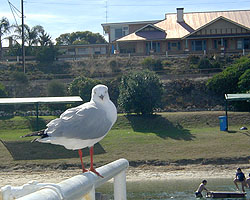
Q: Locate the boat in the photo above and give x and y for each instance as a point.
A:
(225, 194)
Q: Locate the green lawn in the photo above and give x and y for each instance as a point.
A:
(166, 137)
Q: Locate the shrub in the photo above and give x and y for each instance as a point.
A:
(227, 80)
(46, 54)
(3, 92)
(244, 81)
(20, 77)
(152, 64)
(82, 86)
(56, 89)
(166, 63)
(140, 92)
(204, 63)
(114, 66)
(193, 59)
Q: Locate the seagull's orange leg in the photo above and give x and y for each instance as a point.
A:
(91, 151)
(80, 155)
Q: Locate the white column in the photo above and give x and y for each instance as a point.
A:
(120, 186)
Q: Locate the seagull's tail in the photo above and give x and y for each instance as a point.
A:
(41, 134)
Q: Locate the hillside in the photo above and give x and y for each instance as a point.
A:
(183, 79)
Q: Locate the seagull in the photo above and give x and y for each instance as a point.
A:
(82, 126)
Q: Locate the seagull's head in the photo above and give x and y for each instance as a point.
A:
(100, 93)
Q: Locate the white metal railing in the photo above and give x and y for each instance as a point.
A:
(80, 187)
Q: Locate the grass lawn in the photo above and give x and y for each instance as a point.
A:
(163, 138)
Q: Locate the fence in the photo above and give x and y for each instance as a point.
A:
(80, 187)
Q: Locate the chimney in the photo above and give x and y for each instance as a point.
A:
(180, 14)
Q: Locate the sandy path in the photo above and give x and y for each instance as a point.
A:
(20, 177)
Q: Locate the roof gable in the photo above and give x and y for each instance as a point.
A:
(151, 32)
(220, 25)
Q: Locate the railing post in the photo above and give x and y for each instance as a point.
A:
(90, 195)
(120, 186)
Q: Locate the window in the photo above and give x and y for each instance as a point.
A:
(246, 44)
(174, 46)
(199, 45)
(153, 46)
(71, 51)
(240, 44)
(83, 50)
(124, 30)
(118, 33)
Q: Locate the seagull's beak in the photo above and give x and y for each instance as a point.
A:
(101, 97)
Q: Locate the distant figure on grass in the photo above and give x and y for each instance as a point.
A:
(248, 181)
(240, 178)
(201, 187)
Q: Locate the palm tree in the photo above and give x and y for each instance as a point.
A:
(4, 28)
(34, 36)
(30, 34)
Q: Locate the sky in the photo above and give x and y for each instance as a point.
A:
(66, 16)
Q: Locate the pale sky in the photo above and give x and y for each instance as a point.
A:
(66, 16)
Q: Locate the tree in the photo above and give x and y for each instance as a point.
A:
(33, 36)
(4, 28)
(21, 82)
(244, 82)
(56, 89)
(46, 54)
(227, 81)
(82, 86)
(44, 39)
(152, 64)
(3, 92)
(140, 92)
(80, 37)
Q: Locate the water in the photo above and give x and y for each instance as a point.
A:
(170, 189)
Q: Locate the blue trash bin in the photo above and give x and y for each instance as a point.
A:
(223, 123)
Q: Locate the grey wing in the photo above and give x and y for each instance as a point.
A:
(87, 123)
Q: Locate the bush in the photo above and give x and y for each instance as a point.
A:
(20, 77)
(82, 86)
(193, 59)
(140, 92)
(244, 82)
(166, 63)
(227, 81)
(46, 54)
(114, 66)
(56, 89)
(204, 63)
(152, 64)
(3, 92)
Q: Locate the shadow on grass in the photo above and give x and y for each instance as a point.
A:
(232, 131)
(6, 117)
(160, 126)
(32, 123)
(26, 150)
(246, 133)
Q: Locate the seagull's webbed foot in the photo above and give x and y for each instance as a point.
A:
(84, 170)
(91, 169)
